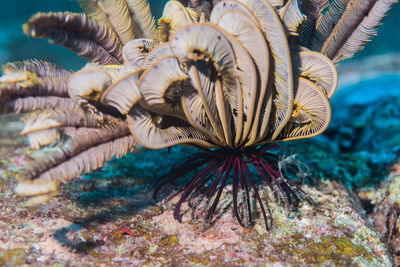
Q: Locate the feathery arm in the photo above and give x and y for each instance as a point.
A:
(79, 33)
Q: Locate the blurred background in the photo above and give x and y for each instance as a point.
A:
(15, 46)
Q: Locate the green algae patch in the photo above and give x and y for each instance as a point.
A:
(345, 246)
(12, 257)
(165, 247)
(169, 241)
(202, 259)
(336, 250)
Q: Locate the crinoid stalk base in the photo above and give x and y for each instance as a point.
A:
(217, 167)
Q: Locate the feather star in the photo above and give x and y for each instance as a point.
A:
(231, 78)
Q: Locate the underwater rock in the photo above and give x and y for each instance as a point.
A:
(335, 232)
(383, 208)
(68, 231)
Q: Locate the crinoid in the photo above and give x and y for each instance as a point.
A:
(231, 78)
